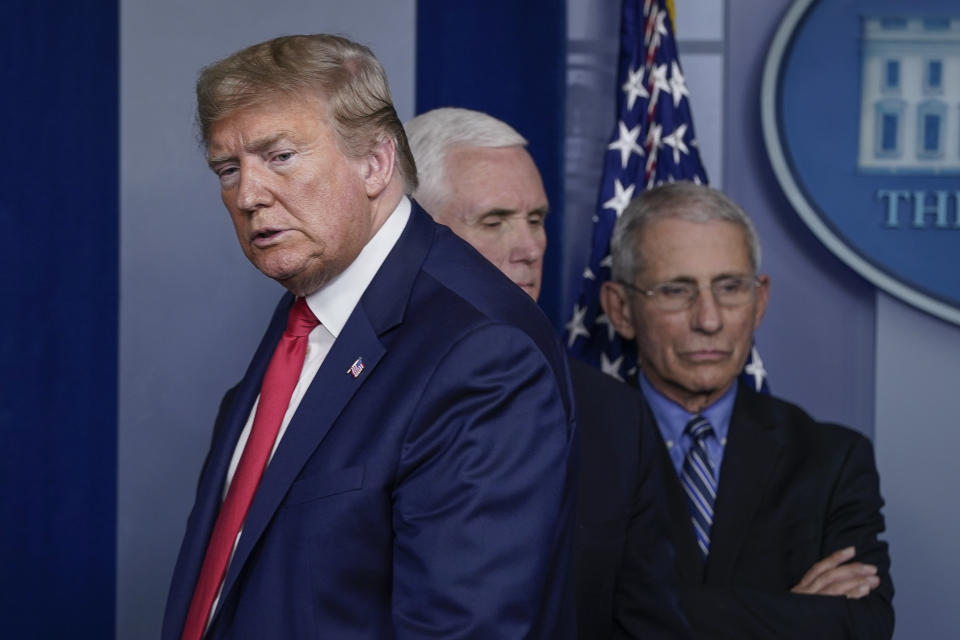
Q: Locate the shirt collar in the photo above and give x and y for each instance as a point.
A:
(334, 302)
(672, 419)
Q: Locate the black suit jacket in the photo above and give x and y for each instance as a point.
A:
(620, 497)
(791, 492)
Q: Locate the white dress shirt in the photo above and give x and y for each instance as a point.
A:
(332, 304)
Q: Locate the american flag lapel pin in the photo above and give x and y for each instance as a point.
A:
(356, 368)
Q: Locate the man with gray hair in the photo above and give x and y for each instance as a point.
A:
(395, 463)
(774, 516)
(477, 178)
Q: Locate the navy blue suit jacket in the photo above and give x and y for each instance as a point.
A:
(791, 492)
(430, 497)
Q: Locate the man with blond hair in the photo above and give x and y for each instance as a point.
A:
(395, 463)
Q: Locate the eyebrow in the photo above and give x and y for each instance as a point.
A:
(716, 278)
(503, 213)
(496, 213)
(256, 147)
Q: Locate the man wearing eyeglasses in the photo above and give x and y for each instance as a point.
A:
(774, 516)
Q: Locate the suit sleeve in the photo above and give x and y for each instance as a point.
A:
(483, 506)
(853, 518)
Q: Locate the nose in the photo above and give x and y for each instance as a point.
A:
(253, 190)
(706, 316)
(527, 242)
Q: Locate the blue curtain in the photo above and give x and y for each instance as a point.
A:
(508, 59)
(58, 341)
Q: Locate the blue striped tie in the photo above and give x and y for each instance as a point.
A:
(698, 481)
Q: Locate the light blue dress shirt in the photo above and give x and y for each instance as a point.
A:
(672, 419)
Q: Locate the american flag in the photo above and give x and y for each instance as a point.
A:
(653, 142)
(356, 368)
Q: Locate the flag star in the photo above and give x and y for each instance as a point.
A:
(675, 140)
(588, 274)
(576, 325)
(634, 88)
(660, 82)
(621, 197)
(626, 143)
(678, 85)
(755, 368)
(654, 138)
(605, 319)
(653, 146)
(607, 262)
(611, 368)
(661, 26)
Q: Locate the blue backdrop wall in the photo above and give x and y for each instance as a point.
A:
(103, 432)
(58, 339)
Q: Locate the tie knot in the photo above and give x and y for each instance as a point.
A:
(301, 320)
(698, 428)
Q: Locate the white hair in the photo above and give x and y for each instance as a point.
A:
(434, 133)
(682, 200)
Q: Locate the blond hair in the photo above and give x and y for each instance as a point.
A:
(345, 75)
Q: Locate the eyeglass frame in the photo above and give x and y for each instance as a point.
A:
(657, 288)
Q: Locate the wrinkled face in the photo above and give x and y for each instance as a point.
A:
(498, 205)
(298, 204)
(691, 356)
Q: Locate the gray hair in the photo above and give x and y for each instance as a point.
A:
(434, 133)
(345, 75)
(682, 200)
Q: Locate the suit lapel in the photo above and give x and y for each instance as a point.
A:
(751, 454)
(210, 489)
(380, 309)
(331, 389)
(689, 559)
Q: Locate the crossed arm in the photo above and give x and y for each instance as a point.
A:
(845, 595)
(835, 575)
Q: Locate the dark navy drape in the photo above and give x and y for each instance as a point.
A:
(58, 340)
(508, 59)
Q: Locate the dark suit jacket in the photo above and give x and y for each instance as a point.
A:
(429, 497)
(791, 492)
(620, 497)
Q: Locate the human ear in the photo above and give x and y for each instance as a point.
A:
(763, 295)
(616, 304)
(377, 167)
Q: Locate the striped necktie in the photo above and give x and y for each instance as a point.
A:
(699, 483)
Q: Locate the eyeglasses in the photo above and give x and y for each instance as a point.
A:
(730, 291)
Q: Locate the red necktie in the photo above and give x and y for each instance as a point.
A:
(278, 384)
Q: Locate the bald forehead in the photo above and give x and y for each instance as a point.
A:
(693, 213)
(464, 157)
(671, 247)
(493, 167)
